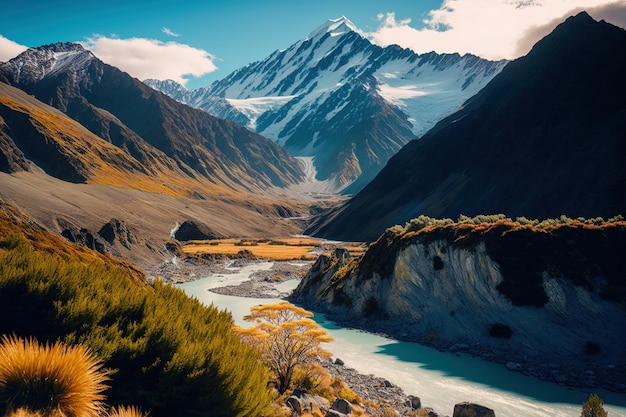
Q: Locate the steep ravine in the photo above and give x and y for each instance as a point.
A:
(442, 287)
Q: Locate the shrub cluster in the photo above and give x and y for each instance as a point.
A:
(164, 351)
(422, 222)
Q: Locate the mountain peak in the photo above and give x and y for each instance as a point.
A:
(37, 63)
(335, 27)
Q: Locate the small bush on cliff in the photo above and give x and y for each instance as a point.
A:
(594, 407)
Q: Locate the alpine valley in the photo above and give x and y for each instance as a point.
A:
(489, 196)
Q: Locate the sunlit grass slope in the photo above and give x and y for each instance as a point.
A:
(67, 150)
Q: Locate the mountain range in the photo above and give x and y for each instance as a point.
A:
(158, 136)
(90, 149)
(546, 137)
(341, 101)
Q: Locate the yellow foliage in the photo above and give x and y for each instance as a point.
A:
(286, 338)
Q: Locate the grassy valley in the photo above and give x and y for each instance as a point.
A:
(293, 248)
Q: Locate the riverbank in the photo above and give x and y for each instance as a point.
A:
(376, 392)
(586, 377)
(356, 350)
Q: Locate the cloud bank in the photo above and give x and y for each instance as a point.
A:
(493, 29)
(9, 49)
(149, 58)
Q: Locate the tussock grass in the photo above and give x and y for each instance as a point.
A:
(127, 411)
(49, 380)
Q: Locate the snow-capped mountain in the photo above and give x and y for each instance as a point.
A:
(37, 63)
(546, 137)
(336, 97)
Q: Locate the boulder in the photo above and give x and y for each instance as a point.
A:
(342, 406)
(467, 409)
(414, 402)
(190, 230)
(429, 412)
(339, 362)
(302, 402)
(294, 403)
(335, 413)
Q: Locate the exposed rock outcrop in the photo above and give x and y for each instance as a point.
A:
(118, 231)
(85, 238)
(190, 230)
(480, 289)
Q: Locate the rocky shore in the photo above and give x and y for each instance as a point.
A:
(373, 389)
(586, 377)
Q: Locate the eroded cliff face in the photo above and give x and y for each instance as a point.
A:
(439, 291)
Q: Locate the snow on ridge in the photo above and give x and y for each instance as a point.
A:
(62, 60)
(395, 95)
(252, 108)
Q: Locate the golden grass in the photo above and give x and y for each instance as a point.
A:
(127, 411)
(105, 163)
(282, 249)
(49, 380)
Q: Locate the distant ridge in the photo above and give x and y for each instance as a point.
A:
(162, 135)
(547, 136)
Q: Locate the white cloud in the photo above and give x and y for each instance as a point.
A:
(10, 49)
(149, 58)
(169, 32)
(492, 29)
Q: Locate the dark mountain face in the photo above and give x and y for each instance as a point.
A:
(547, 136)
(149, 126)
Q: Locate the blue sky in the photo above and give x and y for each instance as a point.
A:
(210, 39)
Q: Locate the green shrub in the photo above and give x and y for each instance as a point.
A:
(594, 407)
(166, 352)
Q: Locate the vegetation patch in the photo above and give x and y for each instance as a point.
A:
(164, 351)
(295, 248)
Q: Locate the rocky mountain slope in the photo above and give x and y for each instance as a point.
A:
(547, 136)
(103, 160)
(337, 98)
(161, 134)
(547, 299)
